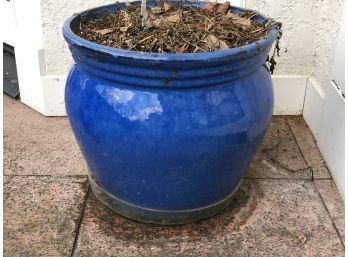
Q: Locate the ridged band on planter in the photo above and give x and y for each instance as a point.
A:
(172, 132)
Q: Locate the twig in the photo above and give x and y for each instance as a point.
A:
(140, 42)
(275, 159)
(188, 42)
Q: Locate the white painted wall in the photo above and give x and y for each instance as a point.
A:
(327, 17)
(297, 42)
(338, 67)
(53, 15)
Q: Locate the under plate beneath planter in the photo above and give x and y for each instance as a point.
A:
(163, 217)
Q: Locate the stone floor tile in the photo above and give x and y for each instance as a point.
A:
(333, 201)
(308, 146)
(279, 155)
(267, 218)
(34, 144)
(41, 215)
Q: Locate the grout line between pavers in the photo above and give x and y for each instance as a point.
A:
(327, 210)
(315, 186)
(46, 175)
(295, 179)
(9, 177)
(323, 178)
(79, 223)
(315, 142)
(302, 154)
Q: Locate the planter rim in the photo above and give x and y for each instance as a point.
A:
(238, 52)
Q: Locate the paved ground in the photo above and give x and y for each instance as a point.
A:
(288, 205)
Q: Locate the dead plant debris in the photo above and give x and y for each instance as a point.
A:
(302, 239)
(172, 28)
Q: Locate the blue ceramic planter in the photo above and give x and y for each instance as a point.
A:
(167, 137)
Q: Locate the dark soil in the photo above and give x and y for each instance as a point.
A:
(169, 28)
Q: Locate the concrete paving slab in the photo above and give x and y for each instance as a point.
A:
(279, 156)
(41, 215)
(34, 144)
(308, 146)
(333, 202)
(267, 218)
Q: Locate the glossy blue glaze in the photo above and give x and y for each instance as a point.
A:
(167, 132)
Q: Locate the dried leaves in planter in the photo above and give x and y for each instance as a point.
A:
(169, 28)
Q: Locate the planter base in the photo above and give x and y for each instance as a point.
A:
(163, 217)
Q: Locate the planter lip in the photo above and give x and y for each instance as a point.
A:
(245, 51)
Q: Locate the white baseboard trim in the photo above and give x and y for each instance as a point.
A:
(53, 87)
(324, 114)
(289, 93)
